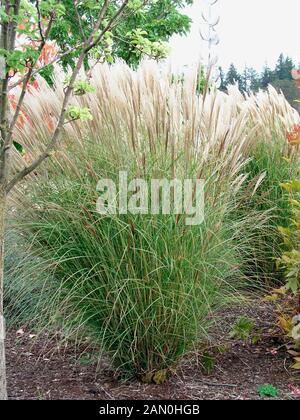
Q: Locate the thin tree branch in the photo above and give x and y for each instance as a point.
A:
(55, 137)
(79, 20)
(115, 19)
(38, 70)
(109, 26)
(7, 144)
(28, 77)
(37, 6)
(51, 145)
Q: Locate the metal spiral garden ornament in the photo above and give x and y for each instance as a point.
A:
(210, 35)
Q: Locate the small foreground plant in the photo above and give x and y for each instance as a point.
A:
(242, 329)
(267, 390)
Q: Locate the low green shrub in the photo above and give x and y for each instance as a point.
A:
(290, 258)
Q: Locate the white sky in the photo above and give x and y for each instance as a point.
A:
(251, 32)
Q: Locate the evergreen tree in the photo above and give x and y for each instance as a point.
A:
(243, 84)
(233, 76)
(250, 81)
(280, 68)
(222, 77)
(254, 80)
(283, 68)
(289, 66)
(267, 77)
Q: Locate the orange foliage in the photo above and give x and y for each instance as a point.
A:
(293, 136)
(47, 55)
(296, 76)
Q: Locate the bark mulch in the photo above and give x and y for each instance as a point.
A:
(239, 368)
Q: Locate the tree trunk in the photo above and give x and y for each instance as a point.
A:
(3, 391)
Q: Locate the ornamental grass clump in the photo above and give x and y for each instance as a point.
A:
(143, 287)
